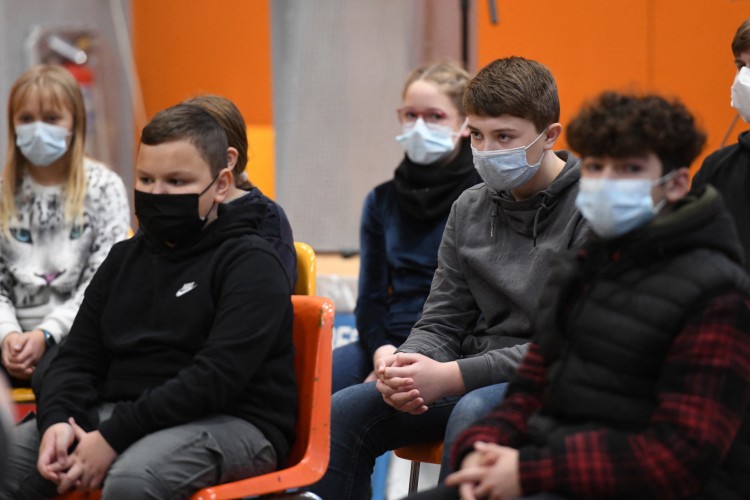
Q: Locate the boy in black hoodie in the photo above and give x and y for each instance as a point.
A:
(728, 169)
(178, 371)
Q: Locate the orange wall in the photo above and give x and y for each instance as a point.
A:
(675, 47)
(187, 47)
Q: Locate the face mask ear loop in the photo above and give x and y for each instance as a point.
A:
(204, 191)
(463, 127)
(210, 184)
(532, 143)
(660, 182)
(204, 219)
(665, 178)
(538, 137)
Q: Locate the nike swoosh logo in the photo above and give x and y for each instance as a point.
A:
(186, 288)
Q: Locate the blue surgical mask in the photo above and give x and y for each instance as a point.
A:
(42, 143)
(614, 207)
(506, 169)
(425, 145)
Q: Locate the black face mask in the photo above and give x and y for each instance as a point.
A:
(171, 219)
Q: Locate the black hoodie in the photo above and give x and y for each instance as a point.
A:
(173, 335)
(728, 170)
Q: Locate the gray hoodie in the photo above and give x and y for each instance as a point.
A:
(493, 261)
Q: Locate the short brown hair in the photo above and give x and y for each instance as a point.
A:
(514, 86)
(449, 77)
(741, 40)
(229, 117)
(187, 122)
(624, 125)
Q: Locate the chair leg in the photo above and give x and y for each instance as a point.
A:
(414, 476)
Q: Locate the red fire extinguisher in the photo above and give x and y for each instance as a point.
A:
(84, 75)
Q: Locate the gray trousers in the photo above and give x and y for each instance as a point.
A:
(172, 463)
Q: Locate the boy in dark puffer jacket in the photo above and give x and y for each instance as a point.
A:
(637, 384)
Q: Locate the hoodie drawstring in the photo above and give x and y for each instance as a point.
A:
(493, 218)
(536, 219)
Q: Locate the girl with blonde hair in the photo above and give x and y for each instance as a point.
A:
(60, 212)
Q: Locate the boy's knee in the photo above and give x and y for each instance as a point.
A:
(356, 401)
(142, 484)
(477, 403)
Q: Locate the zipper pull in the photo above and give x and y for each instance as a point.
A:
(492, 224)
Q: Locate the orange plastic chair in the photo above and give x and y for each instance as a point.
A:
(305, 284)
(430, 453)
(23, 402)
(308, 459)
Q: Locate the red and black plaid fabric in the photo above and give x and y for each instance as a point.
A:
(703, 398)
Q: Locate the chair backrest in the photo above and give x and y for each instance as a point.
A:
(308, 459)
(305, 284)
(313, 337)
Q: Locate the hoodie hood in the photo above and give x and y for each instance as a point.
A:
(529, 217)
(744, 140)
(231, 222)
(698, 220)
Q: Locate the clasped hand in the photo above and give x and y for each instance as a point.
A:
(22, 351)
(84, 468)
(409, 382)
(489, 472)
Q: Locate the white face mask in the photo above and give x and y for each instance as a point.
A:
(741, 93)
(425, 145)
(614, 207)
(42, 143)
(506, 169)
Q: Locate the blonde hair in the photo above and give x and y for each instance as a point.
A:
(56, 88)
(449, 77)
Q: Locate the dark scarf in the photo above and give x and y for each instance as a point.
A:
(426, 192)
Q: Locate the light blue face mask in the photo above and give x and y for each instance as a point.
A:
(506, 169)
(613, 207)
(42, 143)
(425, 145)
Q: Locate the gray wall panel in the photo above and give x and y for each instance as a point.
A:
(338, 70)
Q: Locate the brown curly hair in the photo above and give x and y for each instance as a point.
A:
(622, 125)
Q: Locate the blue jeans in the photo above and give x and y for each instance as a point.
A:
(468, 410)
(363, 427)
(351, 365)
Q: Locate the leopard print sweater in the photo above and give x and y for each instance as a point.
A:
(46, 263)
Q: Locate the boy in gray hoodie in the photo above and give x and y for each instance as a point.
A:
(493, 260)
